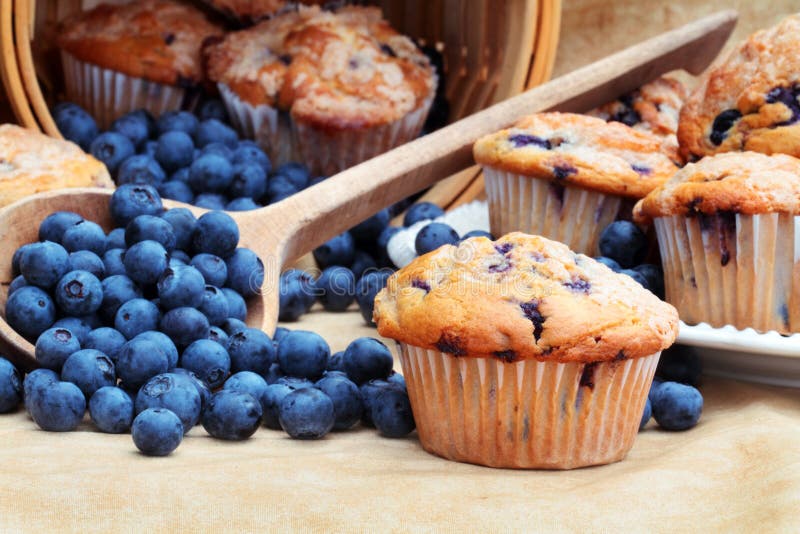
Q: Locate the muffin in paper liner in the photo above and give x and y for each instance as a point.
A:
(729, 237)
(331, 88)
(107, 94)
(324, 152)
(520, 353)
(526, 414)
(566, 176)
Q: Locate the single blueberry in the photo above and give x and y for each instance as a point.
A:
(270, 401)
(56, 406)
(241, 204)
(336, 362)
(396, 378)
(219, 149)
(112, 149)
(84, 260)
(367, 288)
(79, 326)
(420, 212)
(233, 325)
(54, 225)
(433, 236)
(339, 250)
(140, 169)
(75, 124)
(623, 242)
(336, 288)
(391, 413)
(164, 343)
(30, 311)
(208, 360)
(117, 290)
(10, 386)
(183, 223)
(654, 277)
(367, 358)
(107, 340)
(145, 262)
(306, 414)
(245, 272)
(212, 130)
(133, 126)
(210, 173)
(85, 235)
(113, 263)
(608, 262)
(216, 233)
(17, 283)
(369, 392)
(251, 350)
(16, 258)
(210, 201)
(54, 346)
(346, 400)
(175, 150)
(232, 415)
(180, 286)
(676, 406)
(273, 374)
(90, 370)
(212, 108)
(722, 125)
(477, 233)
(296, 294)
(181, 175)
(200, 385)
(174, 392)
(249, 180)
(184, 325)
(157, 432)
(182, 121)
(247, 152)
(43, 264)
(303, 354)
(296, 172)
(136, 316)
(237, 308)
(111, 410)
(139, 360)
(79, 293)
(130, 200)
(218, 335)
(214, 305)
(639, 277)
(248, 382)
(279, 187)
(150, 227)
(36, 379)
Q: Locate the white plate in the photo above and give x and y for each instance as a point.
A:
(745, 354)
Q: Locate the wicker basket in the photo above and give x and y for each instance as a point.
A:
(491, 51)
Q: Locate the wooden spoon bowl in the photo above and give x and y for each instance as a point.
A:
(283, 232)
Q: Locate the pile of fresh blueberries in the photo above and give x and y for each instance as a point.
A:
(144, 326)
(193, 158)
(623, 248)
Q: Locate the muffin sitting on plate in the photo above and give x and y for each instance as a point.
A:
(331, 89)
(520, 353)
(729, 235)
(750, 101)
(144, 54)
(566, 176)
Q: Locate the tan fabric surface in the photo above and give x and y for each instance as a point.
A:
(739, 470)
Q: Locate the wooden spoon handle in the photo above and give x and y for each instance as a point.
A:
(313, 216)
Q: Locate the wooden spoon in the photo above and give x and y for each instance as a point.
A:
(283, 232)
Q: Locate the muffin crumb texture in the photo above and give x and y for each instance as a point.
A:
(522, 297)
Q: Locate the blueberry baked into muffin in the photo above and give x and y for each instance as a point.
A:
(567, 176)
(143, 54)
(654, 108)
(331, 88)
(31, 163)
(520, 353)
(729, 235)
(749, 101)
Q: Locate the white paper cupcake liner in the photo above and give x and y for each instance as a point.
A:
(325, 153)
(571, 215)
(526, 414)
(732, 269)
(107, 94)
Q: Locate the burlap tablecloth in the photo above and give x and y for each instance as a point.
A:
(738, 470)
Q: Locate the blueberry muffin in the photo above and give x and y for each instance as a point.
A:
(328, 88)
(566, 176)
(31, 162)
(749, 101)
(729, 234)
(654, 108)
(143, 54)
(520, 353)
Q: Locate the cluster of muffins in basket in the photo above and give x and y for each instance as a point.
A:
(523, 351)
(330, 87)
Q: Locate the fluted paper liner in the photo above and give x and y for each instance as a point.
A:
(526, 414)
(741, 270)
(571, 215)
(325, 153)
(107, 94)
